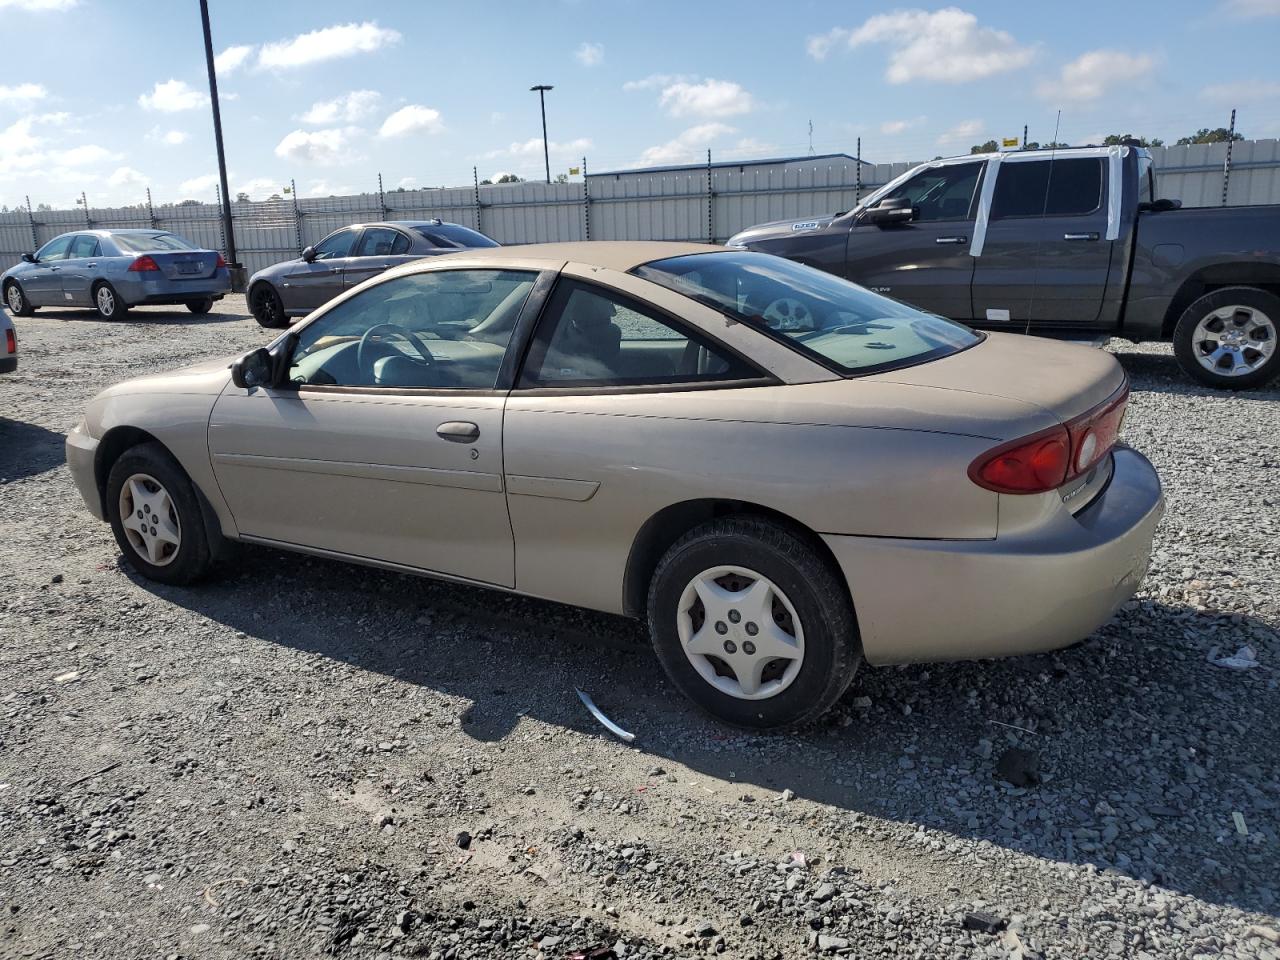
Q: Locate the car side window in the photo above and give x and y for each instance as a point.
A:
(55, 249)
(83, 246)
(445, 329)
(382, 242)
(1053, 188)
(335, 245)
(590, 336)
(941, 193)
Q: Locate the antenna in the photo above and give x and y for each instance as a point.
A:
(811, 138)
(1044, 212)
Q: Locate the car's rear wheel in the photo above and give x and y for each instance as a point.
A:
(17, 301)
(752, 623)
(155, 516)
(200, 307)
(1227, 338)
(108, 302)
(267, 307)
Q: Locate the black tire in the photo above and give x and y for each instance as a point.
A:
(267, 307)
(832, 648)
(193, 558)
(200, 307)
(1258, 304)
(109, 308)
(24, 308)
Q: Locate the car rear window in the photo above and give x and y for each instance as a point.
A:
(146, 242)
(840, 324)
(451, 235)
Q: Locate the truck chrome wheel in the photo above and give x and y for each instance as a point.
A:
(1234, 340)
(150, 519)
(740, 632)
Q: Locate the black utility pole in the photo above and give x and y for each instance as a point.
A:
(542, 89)
(217, 138)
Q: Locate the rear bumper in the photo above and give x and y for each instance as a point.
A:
(8, 364)
(920, 600)
(82, 452)
(162, 290)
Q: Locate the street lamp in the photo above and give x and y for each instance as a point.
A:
(542, 89)
(227, 225)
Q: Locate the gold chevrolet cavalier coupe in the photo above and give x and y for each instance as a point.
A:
(783, 472)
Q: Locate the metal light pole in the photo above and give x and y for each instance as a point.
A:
(236, 269)
(542, 89)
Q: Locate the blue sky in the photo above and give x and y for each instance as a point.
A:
(110, 96)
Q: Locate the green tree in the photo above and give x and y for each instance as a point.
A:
(510, 178)
(1205, 135)
(562, 178)
(989, 147)
(1116, 139)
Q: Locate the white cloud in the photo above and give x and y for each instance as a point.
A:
(322, 147)
(532, 148)
(962, 131)
(707, 98)
(59, 119)
(170, 138)
(329, 43)
(37, 6)
(590, 54)
(204, 184)
(232, 58)
(1090, 75)
(259, 188)
(894, 127)
(173, 96)
(947, 46)
(409, 183)
(84, 155)
(127, 177)
(350, 107)
(656, 80)
(1246, 91)
(323, 188)
(1249, 9)
(689, 146)
(751, 146)
(22, 93)
(411, 119)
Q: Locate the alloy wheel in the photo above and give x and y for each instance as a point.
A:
(106, 301)
(14, 297)
(150, 519)
(1234, 340)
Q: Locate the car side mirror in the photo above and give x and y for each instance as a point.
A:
(1161, 205)
(28, 258)
(309, 254)
(891, 210)
(254, 369)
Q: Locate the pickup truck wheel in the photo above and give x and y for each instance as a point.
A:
(1227, 338)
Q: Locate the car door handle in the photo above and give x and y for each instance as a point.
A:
(459, 431)
(91, 264)
(951, 240)
(1079, 236)
(55, 268)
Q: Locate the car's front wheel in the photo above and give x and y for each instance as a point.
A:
(267, 307)
(17, 301)
(108, 302)
(200, 307)
(1227, 338)
(752, 623)
(155, 516)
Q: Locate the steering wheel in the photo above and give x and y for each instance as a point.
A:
(394, 330)
(788, 313)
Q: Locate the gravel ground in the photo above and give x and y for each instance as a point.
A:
(306, 758)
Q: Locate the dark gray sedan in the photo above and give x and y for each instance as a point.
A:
(113, 270)
(346, 258)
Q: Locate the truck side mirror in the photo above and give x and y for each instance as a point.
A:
(891, 210)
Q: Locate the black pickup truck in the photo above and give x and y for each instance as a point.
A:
(1068, 243)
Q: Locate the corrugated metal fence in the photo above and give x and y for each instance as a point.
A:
(700, 202)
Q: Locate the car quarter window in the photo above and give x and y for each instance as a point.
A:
(445, 329)
(1053, 188)
(336, 245)
(55, 249)
(941, 193)
(83, 246)
(382, 242)
(591, 336)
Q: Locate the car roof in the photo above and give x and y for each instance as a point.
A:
(621, 255)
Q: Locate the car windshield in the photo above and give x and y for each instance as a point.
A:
(146, 242)
(836, 322)
(453, 235)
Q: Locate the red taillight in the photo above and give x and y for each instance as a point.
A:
(1045, 461)
(10, 341)
(143, 264)
(220, 263)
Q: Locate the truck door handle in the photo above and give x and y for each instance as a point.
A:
(951, 240)
(459, 431)
(1079, 236)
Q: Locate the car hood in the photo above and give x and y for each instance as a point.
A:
(207, 378)
(776, 229)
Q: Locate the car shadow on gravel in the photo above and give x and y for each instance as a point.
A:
(1141, 752)
(1160, 373)
(27, 450)
(149, 315)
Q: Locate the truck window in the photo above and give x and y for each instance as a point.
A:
(1146, 180)
(1053, 188)
(941, 193)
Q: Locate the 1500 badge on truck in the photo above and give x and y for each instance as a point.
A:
(1067, 243)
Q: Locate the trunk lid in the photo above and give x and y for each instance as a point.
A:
(186, 264)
